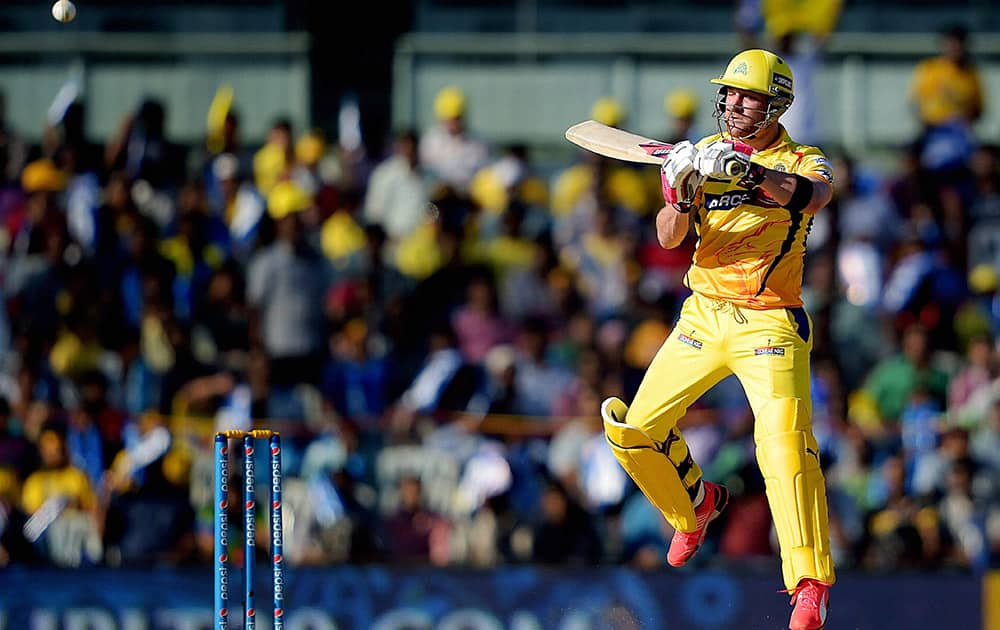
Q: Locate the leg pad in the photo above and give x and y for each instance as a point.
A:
(796, 492)
(664, 471)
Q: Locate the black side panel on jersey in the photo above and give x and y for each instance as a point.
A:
(786, 246)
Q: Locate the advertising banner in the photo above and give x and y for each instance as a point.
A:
(514, 598)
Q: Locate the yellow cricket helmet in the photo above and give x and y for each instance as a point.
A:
(759, 71)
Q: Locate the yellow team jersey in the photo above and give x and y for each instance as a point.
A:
(69, 482)
(944, 91)
(750, 249)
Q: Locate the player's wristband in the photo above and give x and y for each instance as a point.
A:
(753, 177)
(802, 194)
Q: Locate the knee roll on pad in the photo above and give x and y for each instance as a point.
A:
(796, 492)
(664, 471)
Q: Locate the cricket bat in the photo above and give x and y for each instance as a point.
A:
(629, 147)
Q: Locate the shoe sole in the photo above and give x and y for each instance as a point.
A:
(716, 512)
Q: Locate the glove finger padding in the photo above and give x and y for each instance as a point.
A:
(722, 160)
(679, 177)
(686, 192)
(679, 160)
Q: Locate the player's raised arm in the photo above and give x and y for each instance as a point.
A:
(681, 184)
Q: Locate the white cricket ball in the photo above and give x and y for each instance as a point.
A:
(64, 10)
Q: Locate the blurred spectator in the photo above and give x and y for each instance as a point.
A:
(223, 316)
(356, 379)
(397, 195)
(803, 52)
(477, 324)
(275, 159)
(342, 239)
(193, 250)
(310, 150)
(18, 454)
(599, 262)
(977, 373)
(947, 94)
(539, 383)
(424, 393)
(903, 534)
(38, 276)
(930, 474)
(148, 512)
(285, 287)
(681, 107)
(142, 149)
(447, 150)
(746, 533)
(56, 479)
(75, 152)
(239, 205)
(413, 533)
(13, 152)
(508, 249)
(525, 291)
(510, 179)
(564, 533)
(894, 380)
(962, 514)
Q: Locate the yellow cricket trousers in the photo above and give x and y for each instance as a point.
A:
(768, 351)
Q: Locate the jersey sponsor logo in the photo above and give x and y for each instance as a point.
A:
(734, 198)
(769, 351)
(782, 80)
(727, 200)
(694, 343)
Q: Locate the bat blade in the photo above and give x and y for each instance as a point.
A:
(615, 143)
(630, 147)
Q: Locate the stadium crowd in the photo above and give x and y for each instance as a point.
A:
(433, 333)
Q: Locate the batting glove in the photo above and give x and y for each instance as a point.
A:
(679, 177)
(722, 160)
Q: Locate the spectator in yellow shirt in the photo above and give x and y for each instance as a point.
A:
(948, 97)
(56, 478)
(947, 88)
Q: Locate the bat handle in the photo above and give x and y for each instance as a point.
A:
(735, 169)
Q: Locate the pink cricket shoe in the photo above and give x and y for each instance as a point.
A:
(811, 599)
(686, 544)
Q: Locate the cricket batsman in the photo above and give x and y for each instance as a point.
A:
(744, 317)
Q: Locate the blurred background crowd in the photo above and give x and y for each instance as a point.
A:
(432, 331)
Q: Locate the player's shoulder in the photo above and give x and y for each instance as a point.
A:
(810, 160)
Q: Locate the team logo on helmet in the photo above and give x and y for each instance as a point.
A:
(741, 69)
